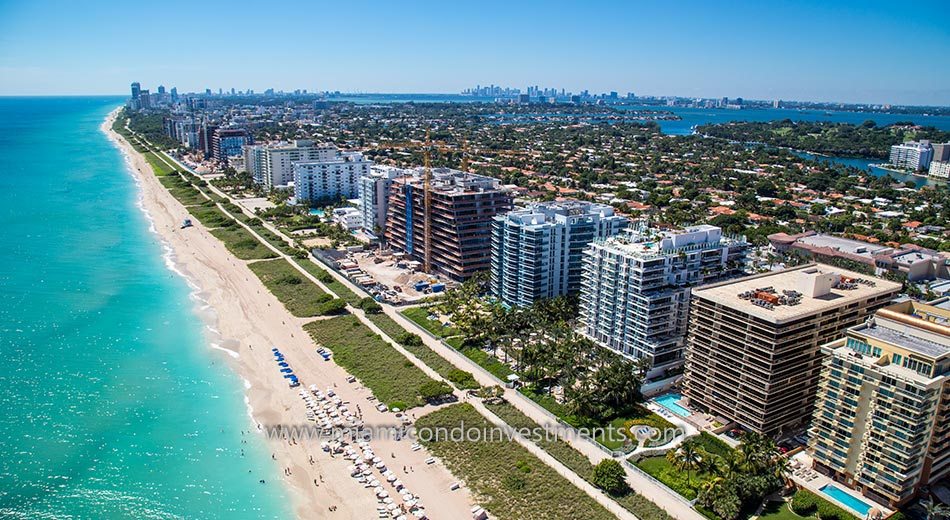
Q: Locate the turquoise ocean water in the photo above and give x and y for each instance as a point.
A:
(112, 405)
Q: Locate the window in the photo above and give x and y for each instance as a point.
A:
(859, 346)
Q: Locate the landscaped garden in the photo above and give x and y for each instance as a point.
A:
(392, 378)
(727, 483)
(779, 510)
(564, 372)
(422, 316)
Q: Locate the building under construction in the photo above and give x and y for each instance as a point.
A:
(462, 206)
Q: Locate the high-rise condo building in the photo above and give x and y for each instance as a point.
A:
(881, 424)
(228, 142)
(939, 170)
(272, 164)
(136, 89)
(374, 197)
(335, 177)
(635, 289)
(753, 344)
(912, 155)
(940, 165)
(462, 207)
(537, 252)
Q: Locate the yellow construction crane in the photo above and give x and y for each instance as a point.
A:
(427, 188)
(427, 206)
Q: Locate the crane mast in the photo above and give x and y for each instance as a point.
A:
(427, 206)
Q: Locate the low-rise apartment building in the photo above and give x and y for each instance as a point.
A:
(912, 261)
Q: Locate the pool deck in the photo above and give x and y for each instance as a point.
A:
(809, 479)
(700, 421)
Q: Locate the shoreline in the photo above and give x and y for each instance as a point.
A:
(243, 319)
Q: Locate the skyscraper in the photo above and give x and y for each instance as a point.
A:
(753, 345)
(136, 90)
(462, 207)
(374, 197)
(636, 286)
(881, 422)
(537, 252)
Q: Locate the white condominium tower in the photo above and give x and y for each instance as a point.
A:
(881, 424)
(636, 287)
(272, 164)
(912, 155)
(331, 178)
(374, 196)
(537, 251)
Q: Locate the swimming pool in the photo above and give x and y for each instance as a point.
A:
(853, 502)
(317, 212)
(669, 401)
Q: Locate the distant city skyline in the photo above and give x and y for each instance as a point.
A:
(806, 51)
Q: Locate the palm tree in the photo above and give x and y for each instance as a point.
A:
(934, 510)
(781, 470)
(687, 457)
(729, 466)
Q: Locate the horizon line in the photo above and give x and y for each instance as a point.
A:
(342, 93)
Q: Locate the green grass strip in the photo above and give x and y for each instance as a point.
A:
(507, 480)
(393, 379)
(298, 294)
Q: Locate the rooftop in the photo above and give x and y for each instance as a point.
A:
(642, 241)
(816, 287)
(549, 212)
(914, 343)
(447, 181)
(845, 245)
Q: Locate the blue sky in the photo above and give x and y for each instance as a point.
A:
(860, 51)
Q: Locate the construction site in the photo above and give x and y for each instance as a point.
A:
(437, 233)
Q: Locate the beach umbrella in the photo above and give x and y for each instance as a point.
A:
(387, 500)
(392, 507)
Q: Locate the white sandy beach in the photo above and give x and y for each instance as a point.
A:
(246, 322)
